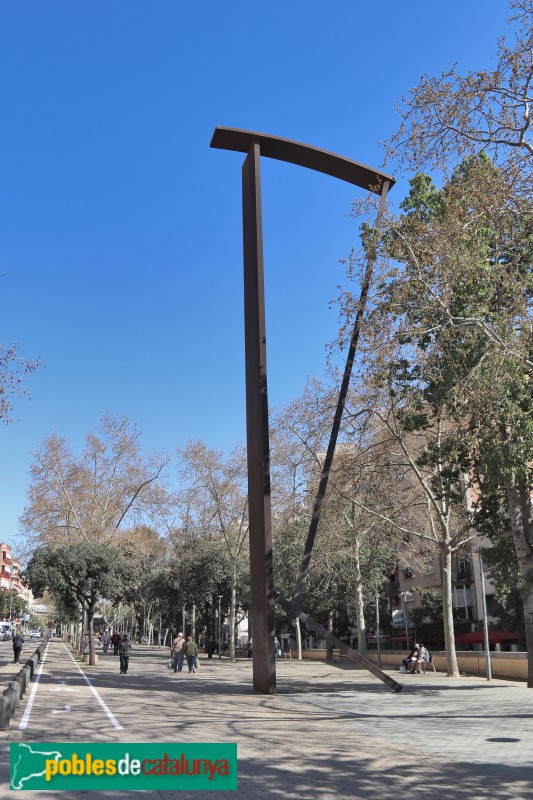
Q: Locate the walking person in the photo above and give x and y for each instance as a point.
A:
(105, 641)
(175, 652)
(18, 641)
(124, 650)
(250, 648)
(190, 651)
(115, 639)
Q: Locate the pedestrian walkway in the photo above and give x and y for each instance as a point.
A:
(8, 669)
(332, 732)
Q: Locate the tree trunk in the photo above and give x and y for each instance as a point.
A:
(329, 647)
(232, 611)
(447, 611)
(90, 615)
(82, 626)
(521, 516)
(359, 603)
(298, 638)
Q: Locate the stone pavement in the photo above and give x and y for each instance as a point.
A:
(331, 732)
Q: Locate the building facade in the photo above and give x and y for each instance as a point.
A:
(10, 574)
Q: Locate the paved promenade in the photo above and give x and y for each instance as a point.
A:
(332, 732)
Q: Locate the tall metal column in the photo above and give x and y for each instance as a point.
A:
(260, 535)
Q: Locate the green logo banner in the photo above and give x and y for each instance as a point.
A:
(104, 766)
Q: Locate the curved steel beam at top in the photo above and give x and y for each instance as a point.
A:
(304, 155)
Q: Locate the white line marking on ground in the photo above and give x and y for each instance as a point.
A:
(27, 711)
(108, 713)
(65, 710)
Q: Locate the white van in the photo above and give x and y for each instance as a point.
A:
(6, 631)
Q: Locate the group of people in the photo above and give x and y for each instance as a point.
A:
(107, 640)
(121, 647)
(413, 662)
(184, 649)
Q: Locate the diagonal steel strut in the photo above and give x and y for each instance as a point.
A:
(319, 500)
(352, 654)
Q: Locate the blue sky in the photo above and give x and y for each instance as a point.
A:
(120, 229)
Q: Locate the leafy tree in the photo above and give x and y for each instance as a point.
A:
(427, 617)
(447, 321)
(445, 119)
(502, 563)
(195, 572)
(11, 605)
(80, 573)
(144, 551)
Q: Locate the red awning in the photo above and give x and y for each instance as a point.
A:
(478, 637)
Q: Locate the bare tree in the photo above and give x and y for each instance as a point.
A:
(451, 115)
(216, 501)
(110, 485)
(356, 543)
(13, 369)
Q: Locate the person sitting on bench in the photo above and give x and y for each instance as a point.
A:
(411, 661)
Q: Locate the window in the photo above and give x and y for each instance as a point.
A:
(461, 597)
(464, 568)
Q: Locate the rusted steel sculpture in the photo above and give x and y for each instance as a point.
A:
(263, 596)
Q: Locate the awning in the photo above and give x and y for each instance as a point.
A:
(478, 637)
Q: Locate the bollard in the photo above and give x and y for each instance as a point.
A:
(9, 695)
(25, 673)
(4, 712)
(15, 685)
(29, 664)
(21, 680)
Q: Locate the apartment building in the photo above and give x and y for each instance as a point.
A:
(468, 588)
(10, 573)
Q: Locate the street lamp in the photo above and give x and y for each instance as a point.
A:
(183, 620)
(485, 621)
(407, 597)
(219, 627)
